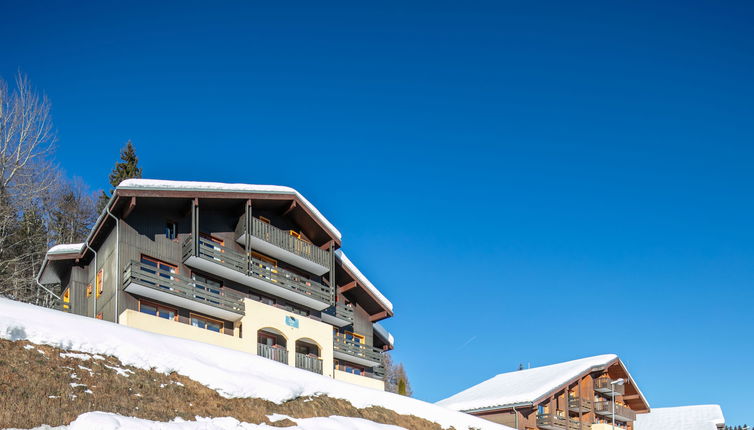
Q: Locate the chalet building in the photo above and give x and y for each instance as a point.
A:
(698, 417)
(256, 268)
(585, 394)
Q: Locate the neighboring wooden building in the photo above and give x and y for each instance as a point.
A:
(697, 417)
(251, 267)
(585, 394)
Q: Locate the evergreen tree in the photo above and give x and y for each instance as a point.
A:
(127, 168)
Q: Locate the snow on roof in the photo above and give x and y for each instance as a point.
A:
(363, 279)
(229, 372)
(110, 421)
(700, 417)
(523, 386)
(382, 331)
(159, 184)
(66, 248)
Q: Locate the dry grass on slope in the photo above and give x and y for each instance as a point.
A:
(39, 386)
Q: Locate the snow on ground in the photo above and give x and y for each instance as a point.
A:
(699, 417)
(231, 373)
(109, 421)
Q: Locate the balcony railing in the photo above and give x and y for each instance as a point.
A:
(622, 413)
(341, 311)
(285, 240)
(253, 268)
(169, 284)
(557, 422)
(578, 404)
(604, 386)
(273, 353)
(358, 351)
(306, 362)
(289, 280)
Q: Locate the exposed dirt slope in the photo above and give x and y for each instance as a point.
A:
(44, 385)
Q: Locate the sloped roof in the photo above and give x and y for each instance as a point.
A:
(159, 184)
(524, 386)
(699, 417)
(341, 256)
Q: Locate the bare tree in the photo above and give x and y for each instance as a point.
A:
(27, 177)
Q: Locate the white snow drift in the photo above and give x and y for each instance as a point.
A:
(230, 373)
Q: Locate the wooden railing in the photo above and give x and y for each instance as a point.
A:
(578, 404)
(249, 266)
(603, 385)
(356, 349)
(341, 311)
(306, 362)
(273, 353)
(172, 283)
(605, 408)
(285, 240)
(557, 422)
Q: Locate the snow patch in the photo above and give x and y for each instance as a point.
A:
(231, 373)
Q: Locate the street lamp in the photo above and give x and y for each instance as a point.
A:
(619, 381)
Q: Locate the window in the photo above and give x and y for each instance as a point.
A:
(99, 316)
(89, 290)
(171, 230)
(98, 282)
(212, 245)
(295, 234)
(208, 284)
(354, 337)
(161, 268)
(347, 367)
(264, 258)
(157, 310)
(67, 298)
(264, 220)
(266, 339)
(206, 323)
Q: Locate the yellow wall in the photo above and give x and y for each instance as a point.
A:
(257, 316)
(363, 381)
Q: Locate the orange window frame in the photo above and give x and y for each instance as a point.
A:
(160, 263)
(361, 337)
(99, 281)
(158, 307)
(264, 258)
(212, 238)
(264, 219)
(206, 318)
(88, 290)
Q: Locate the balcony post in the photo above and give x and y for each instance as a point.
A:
(249, 230)
(195, 226)
(334, 288)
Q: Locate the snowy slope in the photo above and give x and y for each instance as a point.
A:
(108, 421)
(522, 386)
(230, 373)
(700, 417)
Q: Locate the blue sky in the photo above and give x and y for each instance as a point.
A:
(528, 182)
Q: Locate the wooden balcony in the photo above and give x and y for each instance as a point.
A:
(171, 288)
(211, 257)
(306, 362)
(578, 404)
(355, 352)
(622, 413)
(556, 422)
(273, 353)
(339, 315)
(286, 246)
(603, 385)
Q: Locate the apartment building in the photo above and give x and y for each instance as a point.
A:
(255, 268)
(587, 394)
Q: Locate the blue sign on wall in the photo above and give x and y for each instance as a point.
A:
(291, 321)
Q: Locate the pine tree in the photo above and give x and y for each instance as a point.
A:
(127, 168)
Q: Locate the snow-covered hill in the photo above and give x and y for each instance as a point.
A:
(231, 373)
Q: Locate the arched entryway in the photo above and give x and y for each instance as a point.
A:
(272, 344)
(308, 355)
